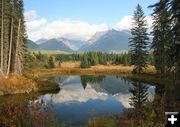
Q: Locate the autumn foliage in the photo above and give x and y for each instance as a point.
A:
(15, 84)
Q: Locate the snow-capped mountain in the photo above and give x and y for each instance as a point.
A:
(96, 37)
(54, 44)
(108, 41)
(41, 41)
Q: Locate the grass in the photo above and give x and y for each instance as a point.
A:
(29, 81)
(149, 76)
(22, 84)
(83, 71)
(16, 84)
(73, 64)
(51, 52)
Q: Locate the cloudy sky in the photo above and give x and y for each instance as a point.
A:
(79, 19)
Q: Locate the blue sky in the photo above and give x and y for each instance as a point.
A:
(92, 11)
(97, 12)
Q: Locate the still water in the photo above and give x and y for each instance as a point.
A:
(84, 97)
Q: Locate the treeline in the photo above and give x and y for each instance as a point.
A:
(39, 60)
(68, 57)
(13, 36)
(87, 59)
(94, 58)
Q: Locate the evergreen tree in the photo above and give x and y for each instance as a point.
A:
(173, 7)
(139, 41)
(13, 36)
(2, 35)
(85, 63)
(139, 95)
(162, 39)
(51, 62)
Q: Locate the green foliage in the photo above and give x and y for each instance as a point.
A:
(167, 37)
(95, 58)
(67, 57)
(91, 79)
(139, 95)
(51, 62)
(13, 36)
(85, 61)
(51, 52)
(34, 60)
(162, 40)
(139, 41)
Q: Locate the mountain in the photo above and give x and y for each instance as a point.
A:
(108, 41)
(72, 43)
(62, 44)
(54, 44)
(96, 37)
(32, 45)
(41, 41)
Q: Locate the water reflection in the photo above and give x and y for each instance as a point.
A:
(91, 79)
(87, 97)
(80, 95)
(139, 95)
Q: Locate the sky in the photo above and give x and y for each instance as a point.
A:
(80, 19)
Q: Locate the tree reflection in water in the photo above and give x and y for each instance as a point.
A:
(91, 79)
(139, 95)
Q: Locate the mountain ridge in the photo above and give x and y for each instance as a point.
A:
(105, 41)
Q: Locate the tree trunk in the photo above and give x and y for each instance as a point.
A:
(10, 48)
(16, 66)
(2, 30)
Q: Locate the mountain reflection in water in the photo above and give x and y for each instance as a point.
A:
(82, 95)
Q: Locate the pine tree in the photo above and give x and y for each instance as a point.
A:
(162, 39)
(13, 36)
(6, 33)
(2, 35)
(51, 62)
(139, 95)
(21, 38)
(174, 9)
(139, 41)
(85, 63)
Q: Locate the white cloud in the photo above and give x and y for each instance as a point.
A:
(149, 20)
(30, 15)
(68, 28)
(71, 29)
(68, 95)
(126, 22)
(31, 25)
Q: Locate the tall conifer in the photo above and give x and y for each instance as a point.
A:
(139, 41)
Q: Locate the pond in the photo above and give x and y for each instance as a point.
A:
(84, 97)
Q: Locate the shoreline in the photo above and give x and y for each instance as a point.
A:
(23, 85)
(32, 77)
(83, 71)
